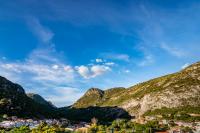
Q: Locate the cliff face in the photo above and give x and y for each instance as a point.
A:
(176, 90)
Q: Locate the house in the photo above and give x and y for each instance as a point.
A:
(163, 122)
(82, 130)
(150, 118)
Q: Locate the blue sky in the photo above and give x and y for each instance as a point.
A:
(59, 49)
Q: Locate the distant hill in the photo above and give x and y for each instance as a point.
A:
(14, 101)
(39, 99)
(178, 91)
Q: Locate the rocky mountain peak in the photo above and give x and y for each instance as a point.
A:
(94, 91)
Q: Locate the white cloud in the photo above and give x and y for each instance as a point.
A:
(42, 78)
(39, 72)
(68, 68)
(172, 50)
(109, 63)
(83, 71)
(115, 56)
(99, 70)
(99, 60)
(44, 55)
(55, 67)
(88, 72)
(63, 96)
(127, 71)
(44, 34)
(148, 59)
(185, 65)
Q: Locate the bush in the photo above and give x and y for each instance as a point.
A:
(22, 129)
(44, 128)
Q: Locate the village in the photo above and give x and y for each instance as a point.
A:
(15, 122)
(83, 127)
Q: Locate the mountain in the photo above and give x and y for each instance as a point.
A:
(90, 109)
(91, 97)
(39, 99)
(14, 101)
(174, 92)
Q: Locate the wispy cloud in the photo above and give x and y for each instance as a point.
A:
(148, 59)
(98, 60)
(116, 56)
(64, 96)
(172, 50)
(109, 63)
(39, 72)
(44, 34)
(127, 71)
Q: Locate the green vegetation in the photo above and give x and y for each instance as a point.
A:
(42, 128)
(91, 98)
(103, 114)
(179, 113)
(22, 129)
(124, 126)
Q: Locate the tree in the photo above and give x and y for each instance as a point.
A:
(22, 129)
(4, 102)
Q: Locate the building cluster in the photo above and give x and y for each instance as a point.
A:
(13, 122)
(81, 127)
